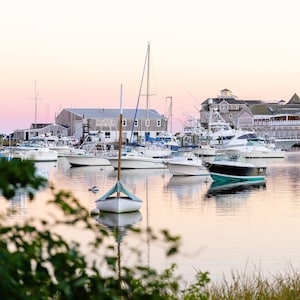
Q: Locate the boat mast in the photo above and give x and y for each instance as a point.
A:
(35, 104)
(120, 138)
(148, 83)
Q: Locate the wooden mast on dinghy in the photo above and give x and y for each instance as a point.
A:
(119, 204)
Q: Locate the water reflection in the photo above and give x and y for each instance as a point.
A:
(119, 224)
(122, 221)
(187, 187)
(231, 198)
(233, 224)
(221, 188)
(18, 205)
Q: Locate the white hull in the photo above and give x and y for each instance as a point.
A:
(137, 162)
(38, 154)
(257, 152)
(118, 205)
(186, 168)
(154, 152)
(61, 150)
(86, 160)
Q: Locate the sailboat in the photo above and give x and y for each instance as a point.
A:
(124, 201)
(149, 146)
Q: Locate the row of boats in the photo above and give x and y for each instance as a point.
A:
(192, 161)
(224, 169)
(222, 161)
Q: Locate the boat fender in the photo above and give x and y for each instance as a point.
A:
(95, 211)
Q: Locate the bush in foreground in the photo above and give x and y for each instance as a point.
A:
(38, 263)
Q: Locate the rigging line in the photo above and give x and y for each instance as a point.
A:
(139, 96)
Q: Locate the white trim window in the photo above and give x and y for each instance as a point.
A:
(158, 123)
(136, 123)
(124, 122)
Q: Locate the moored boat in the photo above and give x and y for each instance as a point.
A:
(34, 154)
(118, 199)
(78, 160)
(255, 149)
(235, 168)
(187, 165)
(136, 160)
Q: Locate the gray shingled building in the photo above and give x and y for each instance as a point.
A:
(137, 124)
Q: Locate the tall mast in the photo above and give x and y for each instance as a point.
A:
(148, 82)
(120, 135)
(35, 104)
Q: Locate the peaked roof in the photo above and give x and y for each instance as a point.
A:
(294, 100)
(264, 109)
(109, 113)
(273, 109)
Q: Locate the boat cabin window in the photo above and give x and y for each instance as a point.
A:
(158, 123)
(124, 123)
(147, 123)
(248, 136)
(136, 123)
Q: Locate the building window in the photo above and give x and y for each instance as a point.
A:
(136, 123)
(223, 107)
(124, 123)
(158, 123)
(107, 135)
(147, 123)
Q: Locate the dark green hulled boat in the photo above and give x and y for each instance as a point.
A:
(235, 168)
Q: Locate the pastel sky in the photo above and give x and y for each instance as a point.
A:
(80, 52)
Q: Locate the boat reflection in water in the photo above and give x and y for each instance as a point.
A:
(112, 220)
(188, 186)
(221, 187)
(118, 224)
(18, 205)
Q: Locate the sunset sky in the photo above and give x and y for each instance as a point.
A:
(80, 52)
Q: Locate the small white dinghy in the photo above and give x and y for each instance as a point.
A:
(124, 201)
(127, 202)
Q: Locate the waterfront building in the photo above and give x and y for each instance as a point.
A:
(39, 129)
(271, 119)
(137, 125)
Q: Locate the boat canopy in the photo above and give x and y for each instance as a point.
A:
(119, 188)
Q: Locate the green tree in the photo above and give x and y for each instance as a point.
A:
(38, 263)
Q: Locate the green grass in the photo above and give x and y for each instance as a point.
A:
(256, 286)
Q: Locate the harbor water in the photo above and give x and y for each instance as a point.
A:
(223, 229)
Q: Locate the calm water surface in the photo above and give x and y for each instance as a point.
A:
(237, 229)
